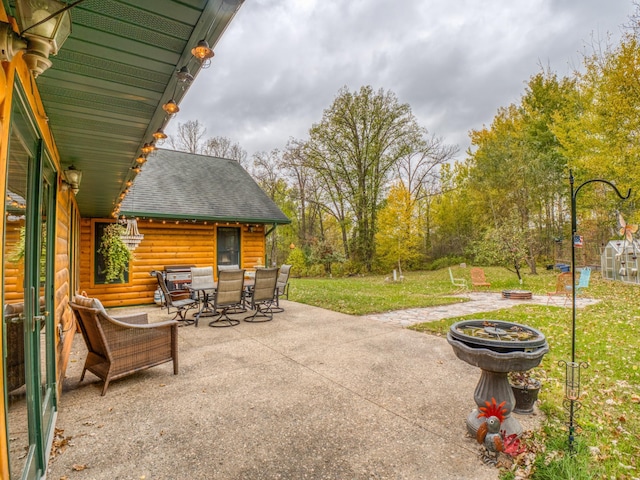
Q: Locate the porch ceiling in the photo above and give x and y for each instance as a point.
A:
(103, 95)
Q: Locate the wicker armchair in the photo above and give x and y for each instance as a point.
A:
(124, 345)
(14, 322)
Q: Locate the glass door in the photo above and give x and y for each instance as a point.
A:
(27, 296)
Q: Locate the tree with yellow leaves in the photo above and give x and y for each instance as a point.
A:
(399, 230)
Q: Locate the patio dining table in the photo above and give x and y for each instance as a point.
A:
(205, 294)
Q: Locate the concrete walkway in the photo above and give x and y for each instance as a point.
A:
(313, 394)
(477, 302)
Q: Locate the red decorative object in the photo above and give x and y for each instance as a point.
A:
(493, 410)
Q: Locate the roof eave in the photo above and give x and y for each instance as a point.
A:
(230, 220)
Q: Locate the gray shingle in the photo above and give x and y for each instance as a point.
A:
(188, 186)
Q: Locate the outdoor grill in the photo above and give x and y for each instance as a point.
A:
(177, 277)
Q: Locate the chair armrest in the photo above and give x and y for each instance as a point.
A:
(133, 318)
(121, 322)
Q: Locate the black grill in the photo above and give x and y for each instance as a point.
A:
(177, 277)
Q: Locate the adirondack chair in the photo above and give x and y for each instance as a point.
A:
(461, 283)
(563, 288)
(478, 279)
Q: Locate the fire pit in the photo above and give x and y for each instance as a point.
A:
(497, 348)
(517, 294)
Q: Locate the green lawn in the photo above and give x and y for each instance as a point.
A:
(607, 338)
(363, 295)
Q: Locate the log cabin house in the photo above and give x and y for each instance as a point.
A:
(86, 89)
(190, 210)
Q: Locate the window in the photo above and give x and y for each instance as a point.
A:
(228, 246)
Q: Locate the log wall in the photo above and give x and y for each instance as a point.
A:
(163, 244)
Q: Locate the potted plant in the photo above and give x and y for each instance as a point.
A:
(115, 254)
(525, 389)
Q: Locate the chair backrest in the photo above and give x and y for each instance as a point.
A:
(227, 267)
(283, 275)
(202, 277)
(86, 311)
(165, 290)
(563, 283)
(477, 275)
(585, 276)
(264, 288)
(229, 289)
(14, 322)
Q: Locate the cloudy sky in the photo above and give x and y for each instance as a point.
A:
(455, 62)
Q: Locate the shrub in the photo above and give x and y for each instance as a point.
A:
(298, 262)
(446, 262)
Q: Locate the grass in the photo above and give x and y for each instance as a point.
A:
(607, 338)
(372, 294)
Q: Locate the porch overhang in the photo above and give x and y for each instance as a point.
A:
(104, 93)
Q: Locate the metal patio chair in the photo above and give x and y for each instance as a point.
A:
(282, 287)
(262, 296)
(228, 298)
(172, 300)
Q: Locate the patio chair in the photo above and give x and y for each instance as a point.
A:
(121, 346)
(563, 288)
(13, 317)
(227, 267)
(172, 300)
(282, 287)
(461, 283)
(203, 285)
(228, 298)
(263, 296)
(14, 321)
(478, 279)
(583, 281)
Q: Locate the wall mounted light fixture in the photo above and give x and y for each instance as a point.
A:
(44, 27)
(73, 177)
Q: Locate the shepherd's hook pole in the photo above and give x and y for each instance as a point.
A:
(572, 389)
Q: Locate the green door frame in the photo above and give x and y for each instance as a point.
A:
(41, 404)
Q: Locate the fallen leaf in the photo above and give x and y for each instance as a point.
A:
(78, 468)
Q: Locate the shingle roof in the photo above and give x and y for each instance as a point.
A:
(183, 185)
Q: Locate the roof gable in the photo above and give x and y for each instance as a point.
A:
(183, 185)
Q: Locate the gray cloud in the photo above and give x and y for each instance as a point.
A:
(282, 62)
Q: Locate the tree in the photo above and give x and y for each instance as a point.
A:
(189, 137)
(354, 149)
(267, 174)
(398, 237)
(504, 245)
(223, 147)
(517, 163)
(419, 174)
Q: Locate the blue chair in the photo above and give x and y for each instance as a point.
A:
(583, 281)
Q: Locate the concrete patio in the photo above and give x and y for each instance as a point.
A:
(313, 394)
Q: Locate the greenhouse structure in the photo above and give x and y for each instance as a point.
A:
(619, 261)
